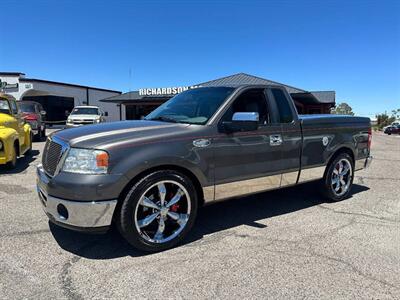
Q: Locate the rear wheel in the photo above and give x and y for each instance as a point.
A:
(338, 178)
(158, 211)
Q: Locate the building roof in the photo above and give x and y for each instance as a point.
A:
(12, 73)
(23, 79)
(243, 78)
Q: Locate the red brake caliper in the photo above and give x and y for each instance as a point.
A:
(174, 207)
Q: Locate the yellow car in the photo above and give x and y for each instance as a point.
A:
(15, 134)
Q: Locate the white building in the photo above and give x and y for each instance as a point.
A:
(57, 98)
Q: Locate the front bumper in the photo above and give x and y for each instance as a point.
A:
(363, 163)
(76, 215)
(368, 162)
(73, 125)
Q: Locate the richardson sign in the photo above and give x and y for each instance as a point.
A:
(165, 91)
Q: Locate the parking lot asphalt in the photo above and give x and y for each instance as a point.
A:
(281, 244)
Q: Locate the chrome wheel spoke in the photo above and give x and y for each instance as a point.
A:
(345, 170)
(147, 220)
(159, 235)
(181, 219)
(148, 203)
(335, 171)
(176, 198)
(162, 191)
(342, 182)
(340, 167)
(337, 188)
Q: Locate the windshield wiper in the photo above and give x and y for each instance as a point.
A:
(164, 119)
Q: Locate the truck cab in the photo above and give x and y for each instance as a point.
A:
(15, 134)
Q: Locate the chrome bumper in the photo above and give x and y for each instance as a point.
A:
(368, 162)
(79, 214)
(363, 163)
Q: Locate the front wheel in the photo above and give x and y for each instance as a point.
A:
(12, 164)
(338, 178)
(158, 211)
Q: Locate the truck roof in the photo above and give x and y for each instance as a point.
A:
(86, 106)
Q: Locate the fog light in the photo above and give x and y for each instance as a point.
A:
(62, 212)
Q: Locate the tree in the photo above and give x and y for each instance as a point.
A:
(384, 120)
(396, 114)
(343, 109)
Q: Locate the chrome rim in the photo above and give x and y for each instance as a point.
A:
(162, 211)
(341, 177)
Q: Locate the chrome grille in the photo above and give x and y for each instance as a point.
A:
(51, 156)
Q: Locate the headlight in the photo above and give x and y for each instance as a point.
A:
(97, 120)
(69, 121)
(85, 161)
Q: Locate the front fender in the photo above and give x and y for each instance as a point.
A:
(133, 161)
(27, 134)
(7, 136)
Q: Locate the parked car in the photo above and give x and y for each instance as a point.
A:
(149, 177)
(15, 135)
(85, 115)
(395, 129)
(34, 115)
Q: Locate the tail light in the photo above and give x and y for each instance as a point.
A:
(369, 138)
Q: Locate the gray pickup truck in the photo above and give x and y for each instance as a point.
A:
(149, 177)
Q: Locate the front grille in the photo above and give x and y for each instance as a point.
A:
(51, 156)
(87, 121)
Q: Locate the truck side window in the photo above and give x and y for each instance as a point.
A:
(285, 112)
(14, 107)
(250, 101)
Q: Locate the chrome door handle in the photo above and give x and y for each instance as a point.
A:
(275, 140)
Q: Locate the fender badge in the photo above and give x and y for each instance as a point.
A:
(325, 140)
(201, 143)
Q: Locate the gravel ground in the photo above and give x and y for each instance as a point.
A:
(280, 244)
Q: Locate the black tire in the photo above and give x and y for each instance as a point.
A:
(328, 187)
(127, 222)
(29, 151)
(43, 133)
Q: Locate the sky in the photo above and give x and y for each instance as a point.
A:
(351, 47)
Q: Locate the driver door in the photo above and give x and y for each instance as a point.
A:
(248, 162)
(20, 122)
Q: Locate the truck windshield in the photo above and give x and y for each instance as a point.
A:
(4, 106)
(195, 106)
(85, 111)
(27, 107)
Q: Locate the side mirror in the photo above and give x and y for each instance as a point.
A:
(43, 112)
(242, 121)
(105, 113)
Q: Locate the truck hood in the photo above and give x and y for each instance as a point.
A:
(104, 135)
(5, 120)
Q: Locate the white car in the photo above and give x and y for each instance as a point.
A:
(85, 115)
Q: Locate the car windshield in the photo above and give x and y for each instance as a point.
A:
(27, 107)
(85, 111)
(194, 106)
(4, 106)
